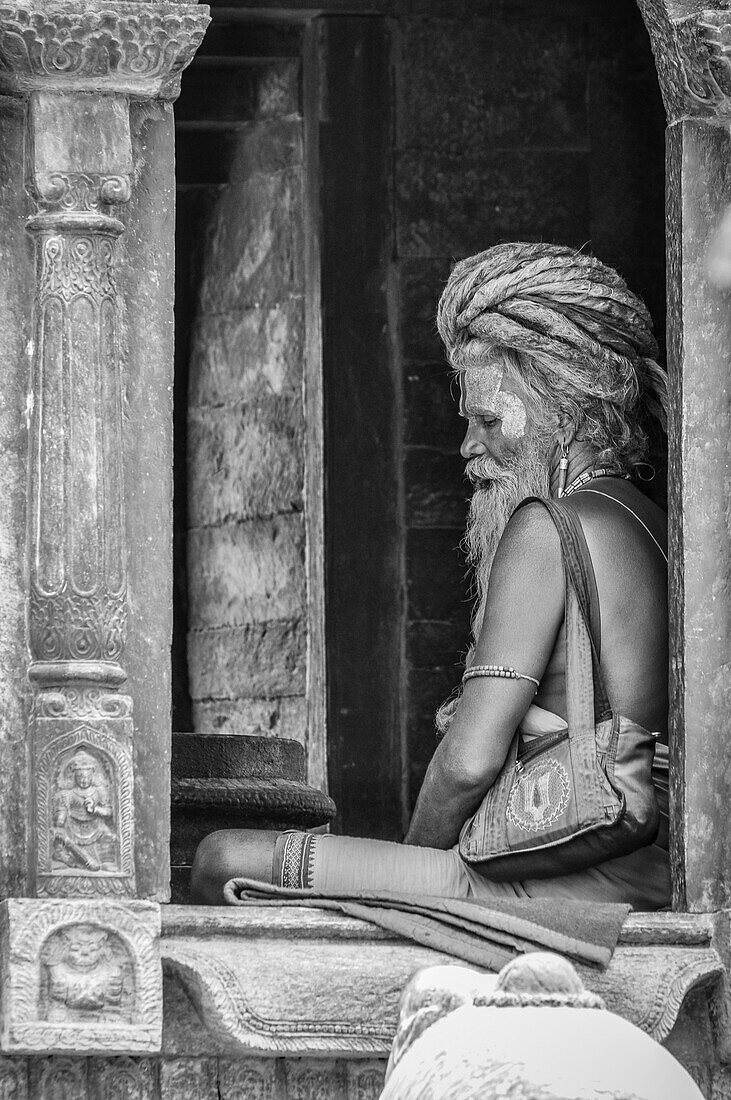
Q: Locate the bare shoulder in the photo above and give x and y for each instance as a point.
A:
(525, 594)
(625, 509)
(530, 542)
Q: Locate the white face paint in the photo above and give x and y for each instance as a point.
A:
(482, 392)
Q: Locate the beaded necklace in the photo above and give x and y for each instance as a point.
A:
(589, 475)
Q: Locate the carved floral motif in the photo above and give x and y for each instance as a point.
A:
(72, 626)
(79, 191)
(130, 45)
(82, 703)
(72, 265)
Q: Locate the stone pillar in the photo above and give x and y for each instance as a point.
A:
(81, 970)
(693, 57)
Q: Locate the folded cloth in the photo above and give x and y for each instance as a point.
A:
(485, 934)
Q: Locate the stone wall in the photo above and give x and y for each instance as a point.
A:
(185, 1078)
(528, 122)
(240, 150)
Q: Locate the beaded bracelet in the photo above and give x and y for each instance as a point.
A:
(503, 671)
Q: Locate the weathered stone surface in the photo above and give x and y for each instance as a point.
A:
(421, 282)
(236, 757)
(232, 156)
(146, 280)
(247, 572)
(189, 1079)
(480, 83)
(16, 291)
(245, 461)
(248, 1079)
(435, 572)
(437, 644)
(81, 976)
(326, 986)
(365, 1079)
(451, 207)
(263, 659)
(238, 91)
(284, 717)
(313, 1079)
(431, 406)
(244, 357)
(254, 247)
(13, 1078)
(699, 345)
(433, 482)
(127, 1078)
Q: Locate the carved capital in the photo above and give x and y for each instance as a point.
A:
(132, 49)
(693, 59)
(81, 977)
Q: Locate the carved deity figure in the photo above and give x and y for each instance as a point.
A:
(83, 817)
(84, 977)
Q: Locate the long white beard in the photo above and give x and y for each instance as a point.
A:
(499, 490)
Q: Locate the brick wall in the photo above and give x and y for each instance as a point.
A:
(240, 150)
(529, 121)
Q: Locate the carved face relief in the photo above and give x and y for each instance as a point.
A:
(482, 390)
(87, 975)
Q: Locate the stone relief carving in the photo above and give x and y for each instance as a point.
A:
(133, 47)
(122, 1079)
(82, 703)
(80, 191)
(185, 1079)
(81, 976)
(365, 1082)
(253, 1079)
(693, 59)
(58, 1079)
(77, 605)
(315, 1080)
(13, 1079)
(85, 812)
(85, 821)
(87, 974)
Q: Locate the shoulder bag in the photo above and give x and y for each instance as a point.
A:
(575, 798)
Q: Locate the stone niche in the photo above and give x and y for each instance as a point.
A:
(241, 244)
(80, 976)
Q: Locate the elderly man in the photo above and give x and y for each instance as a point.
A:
(558, 381)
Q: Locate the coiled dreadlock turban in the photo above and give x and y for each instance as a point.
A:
(586, 337)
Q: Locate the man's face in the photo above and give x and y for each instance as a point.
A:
(496, 418)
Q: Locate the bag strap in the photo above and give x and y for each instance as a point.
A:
(581, 584)
(586, 701)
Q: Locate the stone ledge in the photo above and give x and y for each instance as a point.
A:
(302, 982)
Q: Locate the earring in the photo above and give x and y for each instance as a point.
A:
(563, 467)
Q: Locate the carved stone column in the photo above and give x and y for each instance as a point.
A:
(81, 968)
(693, 57)
(79, 66)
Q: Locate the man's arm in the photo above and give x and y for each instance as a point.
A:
(523, 615)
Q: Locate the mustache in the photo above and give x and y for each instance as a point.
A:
(484, 468)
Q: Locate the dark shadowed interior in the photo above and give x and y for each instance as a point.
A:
(423, 140)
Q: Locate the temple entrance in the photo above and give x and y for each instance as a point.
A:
(329, 172)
